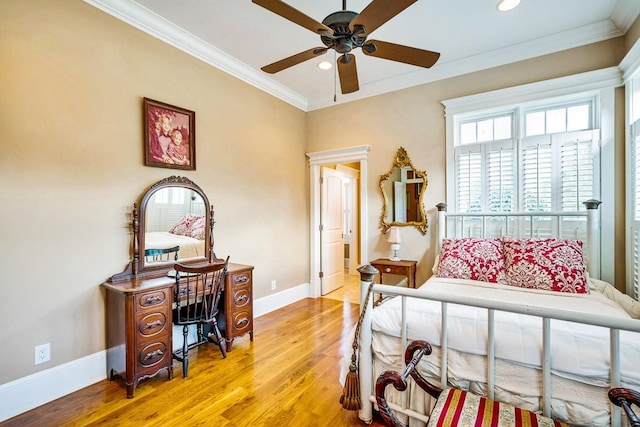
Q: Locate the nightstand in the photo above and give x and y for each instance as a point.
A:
(403, 267)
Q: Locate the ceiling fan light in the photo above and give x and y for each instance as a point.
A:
(507, 5)
(325, 65)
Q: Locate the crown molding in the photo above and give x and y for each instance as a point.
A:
(577, 37)
(147, 21)
(625, 14)
(630, 64)
(563, 86)
(151, 23)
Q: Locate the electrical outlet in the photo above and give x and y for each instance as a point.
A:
(273, 285)
(42, 353)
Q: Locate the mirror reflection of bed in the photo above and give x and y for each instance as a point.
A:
(175, 217)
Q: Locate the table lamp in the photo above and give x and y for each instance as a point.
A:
(393, 237)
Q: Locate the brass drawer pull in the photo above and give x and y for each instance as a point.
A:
(153, 324)
(153, 300)
(238, 280)
(242, 322)
(153, 355)
(242, 298)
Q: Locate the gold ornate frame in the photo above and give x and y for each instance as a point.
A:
(402, 160)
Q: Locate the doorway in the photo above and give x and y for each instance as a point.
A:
(345, 156)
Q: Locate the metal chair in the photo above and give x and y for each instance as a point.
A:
(197, 295)
(161, 255)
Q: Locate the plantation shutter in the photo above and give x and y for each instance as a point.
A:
(536, 174)
(469, 178)
(501, 182)
(577, 168)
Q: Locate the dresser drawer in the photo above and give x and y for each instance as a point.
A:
(150, 324)
(239, 279)
(151, 299)
(241, 297)
(393, 269)
(242, 320)
(153, 354)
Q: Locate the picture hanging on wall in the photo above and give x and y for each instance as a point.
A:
(169, 136)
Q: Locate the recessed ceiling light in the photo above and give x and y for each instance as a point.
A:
(325, 65)
(507, 5)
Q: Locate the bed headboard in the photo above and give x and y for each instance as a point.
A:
(580, 225)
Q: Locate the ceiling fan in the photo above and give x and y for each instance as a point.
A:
(344, 31)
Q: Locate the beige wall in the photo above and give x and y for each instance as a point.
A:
(633, 35)
(414, 118)
(71, 83)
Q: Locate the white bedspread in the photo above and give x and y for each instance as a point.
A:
(189, 247)
(578, 351)
(579, 360)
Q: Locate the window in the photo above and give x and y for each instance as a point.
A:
(571, 122)
(552, 166)
(558, 119)
(161, 196)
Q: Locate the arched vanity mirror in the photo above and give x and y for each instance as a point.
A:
(174, 223)
(402, 190)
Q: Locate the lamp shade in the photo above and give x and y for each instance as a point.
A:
(394, 235)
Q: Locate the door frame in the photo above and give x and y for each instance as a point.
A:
(353, 176)
(316, 161)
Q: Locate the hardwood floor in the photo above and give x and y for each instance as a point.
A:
(287, 376)
(350, 292)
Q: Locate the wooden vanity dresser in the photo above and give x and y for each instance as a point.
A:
(139, 325)
(139, 300)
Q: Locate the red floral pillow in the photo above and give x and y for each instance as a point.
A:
(472, 258)
(182, 227)
(197, 229)
(550, 264)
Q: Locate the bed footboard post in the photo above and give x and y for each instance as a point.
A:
(365, 364)
(442, 224)
(593, 242)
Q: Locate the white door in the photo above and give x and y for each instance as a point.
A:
(331, 239)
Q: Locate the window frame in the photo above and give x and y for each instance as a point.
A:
(598, 83)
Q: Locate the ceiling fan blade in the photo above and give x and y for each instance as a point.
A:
(294, 15)
(294, 60)
(377, 13)
(348, 73)
(400, 53)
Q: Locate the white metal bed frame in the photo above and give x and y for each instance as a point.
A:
(615, 325)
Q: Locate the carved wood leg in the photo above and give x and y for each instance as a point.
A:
(221, 341)
(131, 390)
(185, 351)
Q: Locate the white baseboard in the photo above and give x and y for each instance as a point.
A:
(278, 300)
(29, 392)
(42, 387)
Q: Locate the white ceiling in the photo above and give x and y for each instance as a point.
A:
(239, 37)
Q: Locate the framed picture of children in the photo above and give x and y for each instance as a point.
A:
(169, 136)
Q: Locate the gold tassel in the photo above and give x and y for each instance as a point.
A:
(350, 399)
